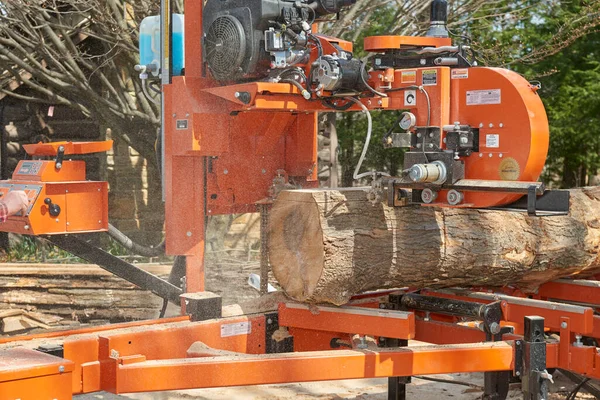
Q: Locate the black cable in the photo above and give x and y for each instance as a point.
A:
(318, 43)
(294, 83)
(575, 391)
(163, 310)
(136, 248)
(363, 71)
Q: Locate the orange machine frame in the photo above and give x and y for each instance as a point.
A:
(158, 355)
(221, 156)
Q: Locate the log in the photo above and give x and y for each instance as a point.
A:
(328, 245)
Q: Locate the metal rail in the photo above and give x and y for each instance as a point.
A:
(122, 269)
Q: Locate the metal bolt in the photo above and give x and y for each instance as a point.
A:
(426, 316)
(68, 223)
(380, 102)
(269, 321)
(518, 373)
(464, 140)
(189, 234)
(578, 342)
(26, 227)
(56, 219)
(174, 115)
(363, 343)
(481, 125)
(237, 95)
(99, 221)
(61, 369)
(500, 155)
(423, 61)
(563, 325)
(480, 155)
(226, 172)
(495, 328)
(418, 145)
(66, 191)
(419, 135)
(501, 125)
(264, 171)
(491, 155)
(187, 115)
(491, 125)
(518, 342)
(382, 306)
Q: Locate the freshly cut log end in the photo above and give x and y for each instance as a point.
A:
(328, 245)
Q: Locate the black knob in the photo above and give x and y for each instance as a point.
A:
(439, 11)
(53, 209)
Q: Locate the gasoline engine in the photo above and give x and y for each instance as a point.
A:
(270, 39)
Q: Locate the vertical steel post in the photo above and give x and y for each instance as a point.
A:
(535, 383)
(166, 32)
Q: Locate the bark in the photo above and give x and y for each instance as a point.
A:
(328, 245)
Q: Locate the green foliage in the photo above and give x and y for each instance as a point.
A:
(29, 249)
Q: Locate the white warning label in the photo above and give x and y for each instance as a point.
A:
(479, 97)
(410, 98)
(492, 141)
(241, 328)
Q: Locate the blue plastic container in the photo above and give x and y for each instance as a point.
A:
(150, 43)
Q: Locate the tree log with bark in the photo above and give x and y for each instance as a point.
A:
(328, 245)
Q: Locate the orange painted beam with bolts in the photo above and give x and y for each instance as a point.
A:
(352, 320)
(183, 374)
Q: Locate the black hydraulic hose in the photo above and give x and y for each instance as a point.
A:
(136, 248)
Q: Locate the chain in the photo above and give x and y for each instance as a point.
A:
(264, 247)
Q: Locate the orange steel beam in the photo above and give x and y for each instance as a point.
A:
(183, 374)
(353, 320)
(579, 291)
(101, 328)
(446, 333)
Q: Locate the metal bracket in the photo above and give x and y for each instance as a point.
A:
(273, 346)
(60, 155)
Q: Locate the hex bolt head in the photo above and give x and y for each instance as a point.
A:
(563, 325)
(61, 369)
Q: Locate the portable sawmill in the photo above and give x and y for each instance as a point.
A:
(243, 83)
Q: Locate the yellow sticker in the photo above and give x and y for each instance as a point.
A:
(509, 169)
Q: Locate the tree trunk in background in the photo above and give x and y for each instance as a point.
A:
(328, 245)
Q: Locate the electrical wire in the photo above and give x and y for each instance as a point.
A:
(136, 248)
(363, 71)
(356, 174)
(147, 93)
(317, 42)
(163, 310)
